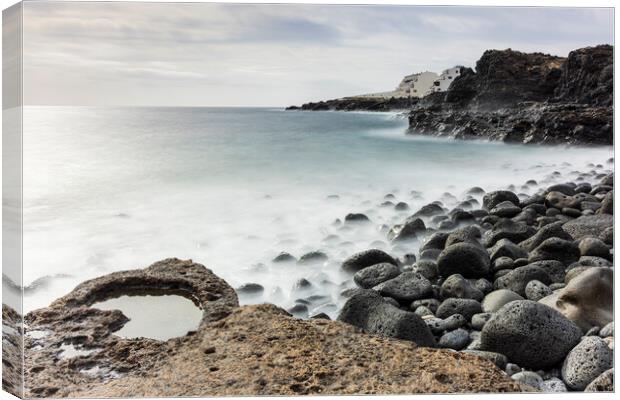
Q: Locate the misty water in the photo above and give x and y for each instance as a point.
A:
(108, 189)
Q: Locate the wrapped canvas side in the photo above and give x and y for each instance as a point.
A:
(12, 305)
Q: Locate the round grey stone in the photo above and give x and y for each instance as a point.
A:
(369, 311)
(531, 334)
(466, 307)
(428, 268)
(457, 339)
(505, 209)
(484, 285)
(438, 325)
(406, 287)
(479, 320)
(459, 287)
(497, 299)
(586, 361)
(467, 259)
(603, 383)
(503, 263)
(492, 199)
(607, 330)
(553, 385)
(365, 259)
(375, 274)
(528, 378)
(536, 290)
(591, 246)
(423, 311)
(512, 369)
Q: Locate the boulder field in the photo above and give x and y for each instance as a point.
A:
(530, 289)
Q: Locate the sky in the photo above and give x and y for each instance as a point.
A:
(197, 54)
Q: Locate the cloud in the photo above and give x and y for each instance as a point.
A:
(243, 54)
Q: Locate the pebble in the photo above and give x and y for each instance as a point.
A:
(607, 330)
(590, 358)
(284, 257)
(369, 311)
(591, 246)
(497, 299)
(457, 339)
(428, 268)
(466, 307)
(365, 259)
(512, 369)
(406, 287)
(536, 290)
(313, 257)
(459, 287)
(479, 320)
(603, 383)
(484, 285)
(375, 274)
(553, 385)
(250, 288)
(438, 325)
(528, 378)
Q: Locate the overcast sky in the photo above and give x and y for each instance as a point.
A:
(269, 55)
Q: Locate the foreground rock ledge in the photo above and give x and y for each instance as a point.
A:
(250, 350)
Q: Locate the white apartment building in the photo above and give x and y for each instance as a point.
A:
(414, 85)
(446, 78)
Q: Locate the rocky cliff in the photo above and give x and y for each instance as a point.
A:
(529, 98)
(514, 97)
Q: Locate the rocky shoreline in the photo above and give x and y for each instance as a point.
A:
(512, 97)
(508, 292)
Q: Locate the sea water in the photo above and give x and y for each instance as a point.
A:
(109, 189)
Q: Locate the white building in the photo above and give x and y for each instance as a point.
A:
(446, 78)
(414, 85)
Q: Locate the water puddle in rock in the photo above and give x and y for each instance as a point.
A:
(155, 317)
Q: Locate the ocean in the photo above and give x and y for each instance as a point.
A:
(109, 189)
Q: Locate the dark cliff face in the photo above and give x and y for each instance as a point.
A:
(587, 76)
(508, 77)
(529, 98)
(504, 78)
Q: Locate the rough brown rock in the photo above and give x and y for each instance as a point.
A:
(11, 351)
(260, 350)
